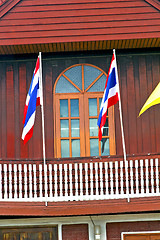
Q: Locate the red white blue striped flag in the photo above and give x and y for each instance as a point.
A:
(33, 99)
(110, 96)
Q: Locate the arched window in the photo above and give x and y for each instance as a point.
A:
(78, 93)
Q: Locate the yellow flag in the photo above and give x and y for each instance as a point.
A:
(153, 99)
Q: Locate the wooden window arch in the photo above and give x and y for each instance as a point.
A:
(78, 93)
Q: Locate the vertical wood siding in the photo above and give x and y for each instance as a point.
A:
(138, 74)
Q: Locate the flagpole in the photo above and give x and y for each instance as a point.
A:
(122, 130)
(43, 134)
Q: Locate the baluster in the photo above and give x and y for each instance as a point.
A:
(111, 177)
(30, 181)
(35, 180)
(96, 179)
(15, 180)
(116, 176)
(76, 180)
(20, 180)
(121, 176)
(66, 182)
(25, 180)
(5, 181)
(91, 179)
(106, 179)
(147, 177)
(40, 181)
(55, 182)
(81, 181)
(142, 178)
(131, 177)
(0, 181)
(101, 178)
(50, 180)
(137, 185)
(86, 180)
(70, 182)
(157, 176)
(61, 185)
(10, 181)
(127, 179)
(152, 177)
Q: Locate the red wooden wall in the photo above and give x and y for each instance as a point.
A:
(138, 74)
(114, 230)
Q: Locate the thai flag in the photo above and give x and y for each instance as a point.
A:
(33, 99)
(110, 96)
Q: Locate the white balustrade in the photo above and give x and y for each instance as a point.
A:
(79, 181)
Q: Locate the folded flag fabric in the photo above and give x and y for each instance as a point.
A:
(153, 99)
(110, 96)
(33, 99)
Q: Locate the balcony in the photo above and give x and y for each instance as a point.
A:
(79, 180)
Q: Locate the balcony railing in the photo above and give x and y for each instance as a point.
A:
(79, 181)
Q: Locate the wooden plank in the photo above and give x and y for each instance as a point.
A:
(86, 12)
(138, 102)
(122, 69)
(16, 100)
(48, 100)
(84, 19)
(144, 95)
(155, 76)
(22, 99)
(151, 84)
(132, 116)
(84, 32)
(50, 2)
(10, 112)
(76, 6)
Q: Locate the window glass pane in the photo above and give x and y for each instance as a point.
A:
(74, 128)
(99, 85)
(74, 107)
(106, 128)
(64, 128)
(75, 148)
(92, 106)
(105, 147)
(93, 128)
(64, 108)
(75, 75)
(100, 100)
(64, 148)
(94, 151)
(90, 74)
(64, 86)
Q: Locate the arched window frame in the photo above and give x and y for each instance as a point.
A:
(83, 96)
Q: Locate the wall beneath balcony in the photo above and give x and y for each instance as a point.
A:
(139, 74)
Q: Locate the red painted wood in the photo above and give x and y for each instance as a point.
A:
(114, 229)
(88, 12)
(3, 116)
(132, 122)
(155, 75)
(138, 103)
(144, 95)
(103, 18)
(10, 112)
(81, 207)
(22, 99)
(75, 231)
(63, 7)
(17, 103)
(48, 99)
